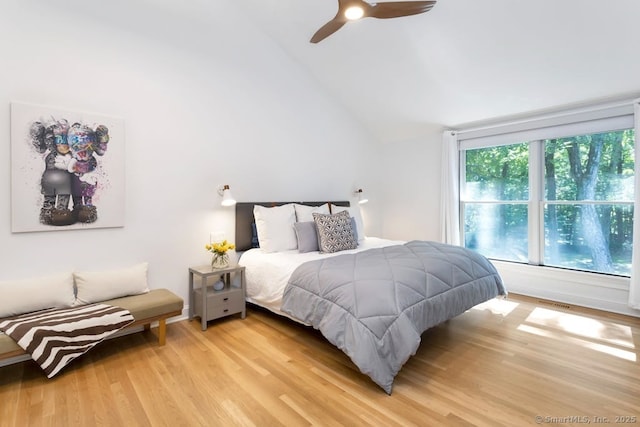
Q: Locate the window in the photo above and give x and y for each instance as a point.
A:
(558, 196)
(495, 203)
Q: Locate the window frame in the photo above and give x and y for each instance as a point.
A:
(534, 131)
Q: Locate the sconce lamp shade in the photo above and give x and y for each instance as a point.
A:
(362, 199)
(227, 197)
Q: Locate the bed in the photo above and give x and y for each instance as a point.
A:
(372, 298)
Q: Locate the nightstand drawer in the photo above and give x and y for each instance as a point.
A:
(223, 310)
(220, 303)
(217, 298)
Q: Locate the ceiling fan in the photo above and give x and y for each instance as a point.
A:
(351, 10)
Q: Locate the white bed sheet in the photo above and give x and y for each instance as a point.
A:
(267, 274)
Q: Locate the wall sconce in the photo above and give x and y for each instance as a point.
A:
(359, 193)
(227, 198)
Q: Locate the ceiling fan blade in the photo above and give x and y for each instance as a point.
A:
(327, 29)
(398, 9)
(373, 10)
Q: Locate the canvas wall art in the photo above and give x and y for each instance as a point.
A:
(67, 169)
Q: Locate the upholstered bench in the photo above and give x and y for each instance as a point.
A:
(126, 288)
(155, 305)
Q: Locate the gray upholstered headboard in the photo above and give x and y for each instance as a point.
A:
(244, 220)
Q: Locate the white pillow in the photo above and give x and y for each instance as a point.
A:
(97, 286)
(23, 296)
(354, 211)
(305, 213)
(275, 227)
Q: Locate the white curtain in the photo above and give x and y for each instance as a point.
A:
(634, 287)
(450, 196)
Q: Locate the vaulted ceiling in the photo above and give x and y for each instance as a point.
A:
(465, 61)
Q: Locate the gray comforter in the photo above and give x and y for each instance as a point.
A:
(375, 304)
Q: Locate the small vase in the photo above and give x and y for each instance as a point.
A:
(220, 261)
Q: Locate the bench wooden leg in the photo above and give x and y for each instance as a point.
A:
(162, 331)
(147, 327)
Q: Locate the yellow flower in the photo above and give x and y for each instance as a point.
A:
(220, 248)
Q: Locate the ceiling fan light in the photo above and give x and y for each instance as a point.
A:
(354, 12)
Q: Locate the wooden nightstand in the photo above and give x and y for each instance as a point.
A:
(209, 304)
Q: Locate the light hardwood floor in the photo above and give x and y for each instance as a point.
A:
(501, 364)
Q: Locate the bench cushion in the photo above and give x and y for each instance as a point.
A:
(7, 345)
(151, 305)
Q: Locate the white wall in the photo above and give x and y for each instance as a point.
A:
(231, 109)
(411, 183)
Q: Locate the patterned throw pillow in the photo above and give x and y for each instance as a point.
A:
(335, 232)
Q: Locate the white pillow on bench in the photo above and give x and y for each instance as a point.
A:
(97, 286)
(26, 295)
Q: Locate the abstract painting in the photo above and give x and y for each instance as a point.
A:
(67, 169)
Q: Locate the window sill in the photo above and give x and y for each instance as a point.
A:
(599, 291)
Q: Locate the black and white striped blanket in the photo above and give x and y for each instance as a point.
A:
(55, 337)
